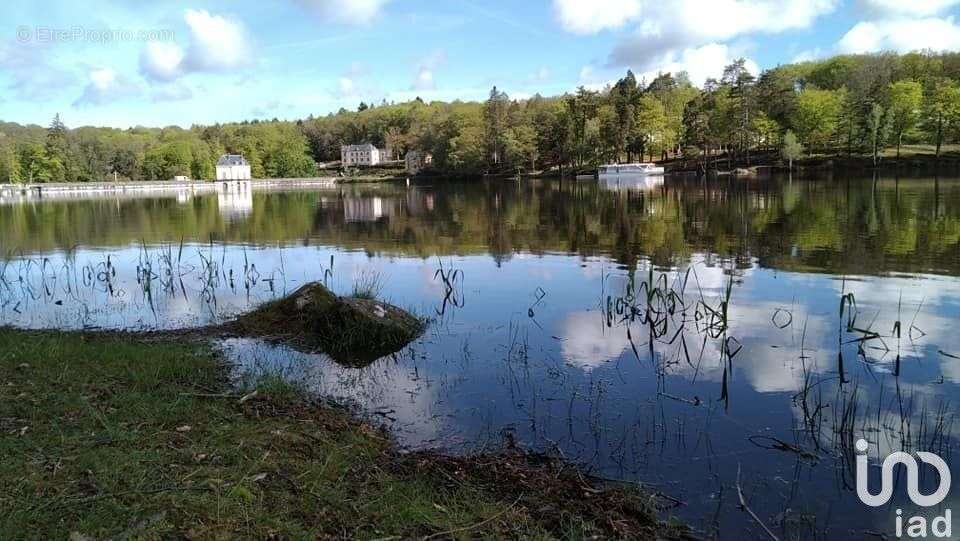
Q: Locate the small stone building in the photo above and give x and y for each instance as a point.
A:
(417, 160)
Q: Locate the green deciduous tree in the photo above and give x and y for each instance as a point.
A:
(941, 111)
(792, 149)
(649, 125)
(765, 130)
(816, 115)
(878, 128)
(36, 165)
(559, 136)
(9, 162)
(906, 102)
(674, 92)
(167, 160)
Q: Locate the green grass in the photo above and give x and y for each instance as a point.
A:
(120, 436)
(367, 285)
(907, 152)
(912, 150)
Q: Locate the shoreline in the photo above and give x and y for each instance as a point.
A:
(772, 162)
(762, 165)
(115, 436)
(11, 192)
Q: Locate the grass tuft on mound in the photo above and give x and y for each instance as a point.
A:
(352, 330)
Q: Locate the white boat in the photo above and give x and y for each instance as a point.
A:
(629, 169)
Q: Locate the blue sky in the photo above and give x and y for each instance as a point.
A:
(202, 61)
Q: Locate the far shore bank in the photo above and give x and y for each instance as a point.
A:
(36, 191)
(758, 164)
(129, 185)
(772, 162)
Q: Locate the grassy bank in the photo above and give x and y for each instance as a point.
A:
(119, 436)
(371, 179)
(912, 158)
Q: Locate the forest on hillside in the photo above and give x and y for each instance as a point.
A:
(851, 105)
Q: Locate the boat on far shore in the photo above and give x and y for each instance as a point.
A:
(629, 169)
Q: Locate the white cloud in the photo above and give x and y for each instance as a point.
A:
(354, 83)
(588, 343)
(31, 75)
(423, 79)
(863, 37)
(700, 63)
(346, 86)
(693, 23)
(901, 35)
(216, 44)
(586, 74)
(356, 12)
(589, 17)
(382, 385)
(916, 8)
(724, 19)
(161, 61)
(807, 55)
(589, 79)
(105, 86)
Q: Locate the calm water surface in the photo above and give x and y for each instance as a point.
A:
(546, 333)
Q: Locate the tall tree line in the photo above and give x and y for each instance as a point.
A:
(30, 154)
(851, 104)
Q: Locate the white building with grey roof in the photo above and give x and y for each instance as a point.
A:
(233, 167)
(365, 154)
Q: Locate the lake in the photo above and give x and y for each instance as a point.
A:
(680, 332)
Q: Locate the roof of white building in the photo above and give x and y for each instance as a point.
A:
(351, 148)
(232, 159)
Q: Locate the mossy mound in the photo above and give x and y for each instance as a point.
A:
(353, 331)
